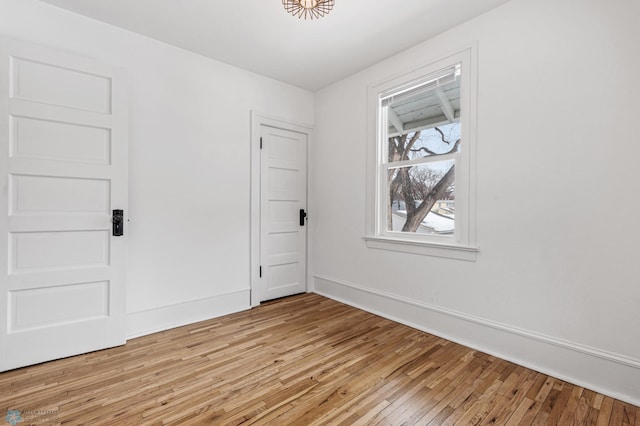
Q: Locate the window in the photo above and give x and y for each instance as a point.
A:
(420, 172)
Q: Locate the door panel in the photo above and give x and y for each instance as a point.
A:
(59, 141)
(55, 84)
(63, 167)
(34, 303)
(46, 195)
(37, 251)
(283, 194)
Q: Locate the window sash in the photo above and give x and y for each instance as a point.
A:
(423, 160)
(384, 232)
(444, 76)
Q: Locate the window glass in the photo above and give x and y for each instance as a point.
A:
(423, 141)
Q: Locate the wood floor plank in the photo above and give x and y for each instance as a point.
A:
(604, 415)
(304, 360)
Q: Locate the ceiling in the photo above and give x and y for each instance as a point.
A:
(259, 36)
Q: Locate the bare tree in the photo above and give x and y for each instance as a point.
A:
(412, 184)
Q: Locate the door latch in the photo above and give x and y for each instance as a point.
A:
(117, 222)
(303, 215)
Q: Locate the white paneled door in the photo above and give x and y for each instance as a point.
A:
(283, 196)
(63, 153)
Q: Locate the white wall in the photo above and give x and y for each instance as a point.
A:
(189, 170)
(556, 282)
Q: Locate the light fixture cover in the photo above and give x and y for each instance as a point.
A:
(312, 9)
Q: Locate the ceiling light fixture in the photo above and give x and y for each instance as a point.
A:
(312, 9)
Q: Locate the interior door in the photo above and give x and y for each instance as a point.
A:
(63, 153)
(283, 193)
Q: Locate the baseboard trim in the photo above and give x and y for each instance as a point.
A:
(163, 318)
(608, 373)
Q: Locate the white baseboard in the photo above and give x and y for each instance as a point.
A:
(611, 374)
(166, 317)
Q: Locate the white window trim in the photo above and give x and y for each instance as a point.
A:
(463, 245)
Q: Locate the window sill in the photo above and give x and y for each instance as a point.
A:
(449, 251)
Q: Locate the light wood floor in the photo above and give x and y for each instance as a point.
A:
(299, 361)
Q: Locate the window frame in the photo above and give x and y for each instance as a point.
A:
(462, 245)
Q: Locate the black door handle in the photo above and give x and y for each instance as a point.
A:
(117, 222)
(303, 215)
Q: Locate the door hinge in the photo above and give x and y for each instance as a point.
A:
(260, 142)
(260, 271)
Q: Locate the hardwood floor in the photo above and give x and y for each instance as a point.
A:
(304, 360)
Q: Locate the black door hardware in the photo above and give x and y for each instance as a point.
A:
(303, 215)
(118, 223)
